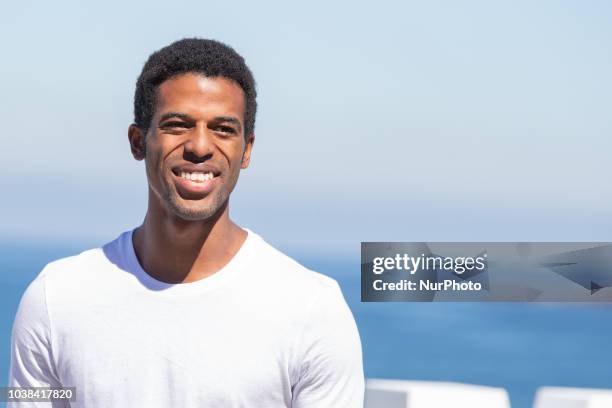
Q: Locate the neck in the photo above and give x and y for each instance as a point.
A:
(174, 250)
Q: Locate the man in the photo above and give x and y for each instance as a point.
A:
(189, 309)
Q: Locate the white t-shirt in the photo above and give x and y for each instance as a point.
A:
(262, 332)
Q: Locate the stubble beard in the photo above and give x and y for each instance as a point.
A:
(198, 211)
(192, 210)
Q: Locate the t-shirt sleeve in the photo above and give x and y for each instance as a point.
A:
(31, 356)
(331, 369)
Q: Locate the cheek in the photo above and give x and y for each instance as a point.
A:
(153, 164)
(150, 168)
(233, 153)
(157, 151)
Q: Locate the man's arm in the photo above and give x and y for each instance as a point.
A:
(31, 356)
(331, 373)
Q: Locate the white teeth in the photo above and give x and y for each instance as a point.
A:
(199, 177)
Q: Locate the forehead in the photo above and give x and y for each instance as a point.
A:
(200, 96)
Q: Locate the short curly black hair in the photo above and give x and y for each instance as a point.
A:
(207, 57)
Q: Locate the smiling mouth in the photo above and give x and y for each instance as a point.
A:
(195, 185)
(198, 177)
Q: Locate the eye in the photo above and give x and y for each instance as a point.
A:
(225, 129)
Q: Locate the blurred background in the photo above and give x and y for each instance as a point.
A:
(377, 121)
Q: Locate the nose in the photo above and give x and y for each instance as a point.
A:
(199, 147)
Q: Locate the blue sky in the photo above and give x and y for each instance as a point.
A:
(406, 121)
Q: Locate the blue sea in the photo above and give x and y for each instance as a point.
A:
(512, 345)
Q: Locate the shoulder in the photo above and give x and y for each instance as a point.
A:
(291, 291)
(76, 276)
(74, 270)
(35, 296)
(66, 265)
(278, 269)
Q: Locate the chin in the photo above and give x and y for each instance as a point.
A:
(192, 213)
(192, 210)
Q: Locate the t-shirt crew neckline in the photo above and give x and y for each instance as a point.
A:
(221, 277)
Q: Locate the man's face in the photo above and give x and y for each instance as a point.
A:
(195, 146)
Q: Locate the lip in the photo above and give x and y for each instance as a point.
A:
(190, 189)
(196, 168)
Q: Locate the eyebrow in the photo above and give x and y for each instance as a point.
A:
(184, 116)
(179, 115)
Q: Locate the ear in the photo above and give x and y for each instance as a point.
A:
(246, 156)
(137, 142)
